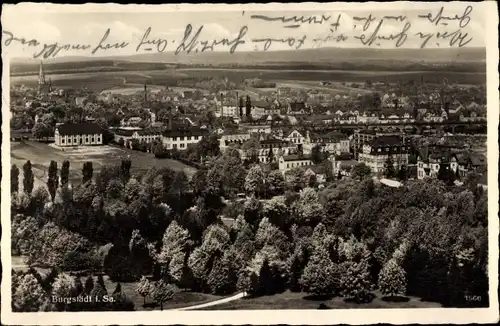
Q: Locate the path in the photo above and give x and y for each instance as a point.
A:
(214, 303)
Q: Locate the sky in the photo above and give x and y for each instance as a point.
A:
(87, 24)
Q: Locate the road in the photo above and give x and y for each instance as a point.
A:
(214, 303)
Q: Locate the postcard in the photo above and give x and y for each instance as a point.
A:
(299, 164)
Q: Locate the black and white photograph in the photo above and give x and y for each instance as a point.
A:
(250, 157)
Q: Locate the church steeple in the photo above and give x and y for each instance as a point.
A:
(41, 75)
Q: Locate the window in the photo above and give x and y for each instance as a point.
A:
(93, 138)
(181, 138)
(62, 141)
(86, 139)
(174, 146)
(182, 145)
(287, 165)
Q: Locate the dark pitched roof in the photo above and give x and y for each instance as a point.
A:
(295, 157)
(382, 141)
(297, 106)
(182, 132)
(477, 159)
(70, 129)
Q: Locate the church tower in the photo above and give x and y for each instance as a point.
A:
(43, 86)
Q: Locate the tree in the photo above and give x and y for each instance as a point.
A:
(265, 279)
(28, 178)
(97, 294)
(224, 275)
(309, 209)
(175, 240)
(317, 155)
(241, 105)
(403, 173)
(29, 295)
(360, 171)
(248, 106)
(392, 279)
(53, 180)
(355, 280)
(89, 284)
(125, 169)
(179, 184)
(144, 288)
(100, 280)
(275, 183)
(277, 212)
(445, 173)
(79, 289)
(14, 179)
(389, 166)
(64, 172)
(44, 127)
(318, 276)
(162, 292)
(254, 181)
(87, 172)
(63, 287)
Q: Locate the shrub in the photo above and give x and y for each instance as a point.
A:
(392, 279)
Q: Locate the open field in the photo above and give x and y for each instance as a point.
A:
(40, 155)
(100, 81)
(293, 300)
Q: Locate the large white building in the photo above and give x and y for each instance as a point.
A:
(236, 137)
(289, 162)
(131, 133)
(180, 138)
(375, 154)
(332, 142)
(78, 134)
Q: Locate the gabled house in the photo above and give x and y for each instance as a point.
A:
(430, 159)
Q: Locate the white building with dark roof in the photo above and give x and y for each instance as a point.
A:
(78, 134)
(375, 154)
(288, 162)
(180, 137)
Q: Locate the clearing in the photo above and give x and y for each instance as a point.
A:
(40, 155)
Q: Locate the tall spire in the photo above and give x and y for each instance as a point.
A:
(41, 75)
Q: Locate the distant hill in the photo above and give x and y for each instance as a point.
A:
(321, 55)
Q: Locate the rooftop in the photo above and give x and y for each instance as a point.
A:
(70, 129)
(296, 157)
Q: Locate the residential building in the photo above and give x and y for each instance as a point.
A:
(131, 133)
(288, 162)
(296, 136)
(182, 136)
(430, 159)
(468, 162)
(78, 134)
(264, 108)
(233, 138)
(332, 142)
(376, 153)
